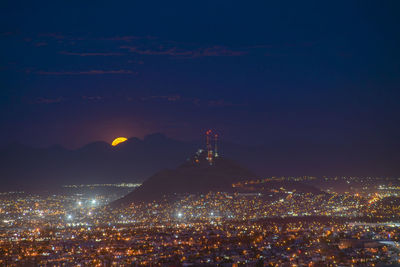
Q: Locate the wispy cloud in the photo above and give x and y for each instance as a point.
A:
(224, 103)
(216, 51)
(175, 51)
(53, 35)
(128, 38)
(190, 100)
(153, 46)
(89, 72)
(89, 54)
(146, 51)
(171, 98)
(93, 98)
(40, 44)
(9, 33)
(178, 99)
(44, 100)
(123, 38)
(147, 46)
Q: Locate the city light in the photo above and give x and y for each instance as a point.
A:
(247, 226)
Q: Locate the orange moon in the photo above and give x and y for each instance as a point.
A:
(118, 140)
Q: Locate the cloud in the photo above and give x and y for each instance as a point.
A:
(40, 44)
(91, 54)
(9, 33)
(170, 98)
(124, 38)
(153, 46)
(89, 72)
(222, 103)
(170, 51)
(44, 100)
(173, 99)
(214, 51)
(92, 98)
(128, 38)
(150, 46)
(53, 35)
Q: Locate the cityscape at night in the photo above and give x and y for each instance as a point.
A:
(274, 227)
(200, 133)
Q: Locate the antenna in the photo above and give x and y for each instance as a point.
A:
(216, 146)
(209, 149)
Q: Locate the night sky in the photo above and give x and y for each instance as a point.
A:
(81, 71)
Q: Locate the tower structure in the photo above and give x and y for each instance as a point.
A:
(209, 147)
(216, 145)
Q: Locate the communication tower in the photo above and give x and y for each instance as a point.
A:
(209, 147)
(216, 146)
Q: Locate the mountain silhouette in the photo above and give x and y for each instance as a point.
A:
(196, 175)
(25, 167)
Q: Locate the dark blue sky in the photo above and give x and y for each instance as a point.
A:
(80, 71)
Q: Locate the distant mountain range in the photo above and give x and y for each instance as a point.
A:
(99, 162)
(24, 167)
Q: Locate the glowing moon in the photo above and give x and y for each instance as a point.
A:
(118, 140)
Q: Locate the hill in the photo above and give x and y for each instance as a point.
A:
(194, 176)
(24, 167)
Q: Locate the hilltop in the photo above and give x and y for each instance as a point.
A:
(24, 167)
(196, 175)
